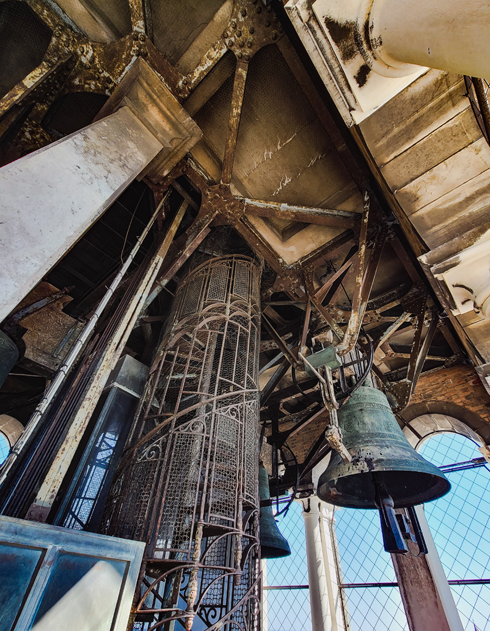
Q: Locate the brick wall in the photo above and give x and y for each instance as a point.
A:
(456, 386)
(456, 391)
(459, 385)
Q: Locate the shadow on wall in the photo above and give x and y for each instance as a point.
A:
(24, 39)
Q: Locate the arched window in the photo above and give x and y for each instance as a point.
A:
(4, 447)
(460, 525)
(286, 604)
(10, 430)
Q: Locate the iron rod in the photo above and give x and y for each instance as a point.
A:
(72, 356)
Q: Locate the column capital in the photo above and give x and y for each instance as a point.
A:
(148, 98)
(314, 506)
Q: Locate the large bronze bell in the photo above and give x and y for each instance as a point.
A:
(272, 544)
(382, 458)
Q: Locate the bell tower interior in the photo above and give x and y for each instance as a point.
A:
(245, 294)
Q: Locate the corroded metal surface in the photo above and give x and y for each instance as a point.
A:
(234, 121)
(188, 486)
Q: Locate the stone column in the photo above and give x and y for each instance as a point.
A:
(325, 597)
(424, 589)
(49, 198)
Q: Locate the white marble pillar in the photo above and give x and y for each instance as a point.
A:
(264, 621)
(49, 198)
(325, 597)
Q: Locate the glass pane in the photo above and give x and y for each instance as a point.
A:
(17, 567)
(289, 609)
(4, 447)
(100, 460)
(460, 525)
(364, 560)
(68, 574)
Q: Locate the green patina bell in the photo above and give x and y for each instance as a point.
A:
(378, 446)
(272, 543)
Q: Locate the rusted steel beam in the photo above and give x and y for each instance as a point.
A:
(280, 343)
(306, 214)
(270, 345)
(435, 358)
(355, 319)
(392, 328)
(414, 352)
(136, 9)
(234, 120)
(402, 390)
(205, 65)
(169, 237)
(270, 386)
(308, 276)
(322, 292)
(402, 254)
(272, 314)
(285, 303)
(253, 237)
(322, 412)
(367, 284)
(449, 337)
(324, 252)
(306, 325)
(185, 195)
(196, 236)
(424, 350)
(31, 83)
(371, 270)
(481, 90)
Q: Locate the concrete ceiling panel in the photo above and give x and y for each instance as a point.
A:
(177, 23)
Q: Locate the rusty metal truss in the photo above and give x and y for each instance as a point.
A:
(188, 486)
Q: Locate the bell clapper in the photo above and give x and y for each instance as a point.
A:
(393, 539)
(397, 528)
(417, 530)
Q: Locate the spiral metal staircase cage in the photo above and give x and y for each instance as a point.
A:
(188, 484)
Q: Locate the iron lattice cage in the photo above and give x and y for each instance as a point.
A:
(188, 486)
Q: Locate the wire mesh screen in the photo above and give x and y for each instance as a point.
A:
(460, 525)
(189, 484)
(286, 602)
(365, 562)
(92, 479)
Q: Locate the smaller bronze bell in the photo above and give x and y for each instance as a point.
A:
(272, 544)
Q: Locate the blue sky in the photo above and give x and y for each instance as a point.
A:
(460, 525)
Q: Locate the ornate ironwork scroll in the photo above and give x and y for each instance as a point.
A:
(188, 486)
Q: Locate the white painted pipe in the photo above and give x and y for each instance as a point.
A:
(451, 35)
(73, 354)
